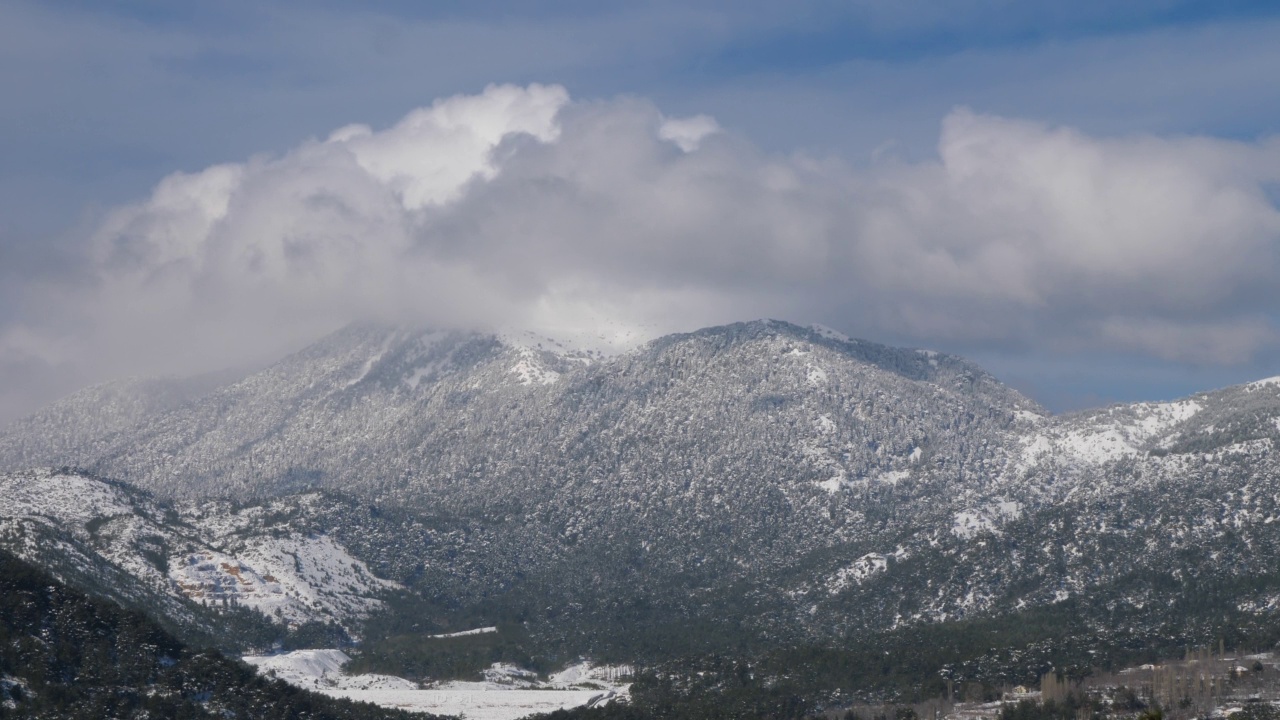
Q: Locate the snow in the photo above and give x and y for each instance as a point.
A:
(828, 333)
(1096, 447)
(532, 372)
(480, 704)
(1101, 437)
(814, 452)
(66, 499)
(863, 568)
(968, 523)
(892, 477)
(1163, 416)
(593, 339)
(509, 692)
(374, 358)
(1008, 509)
(321, 670)
(820, 457)
(425, 343)
(586, 345)
(305, 663)
(70, 503)
(832, 485)
(506, 693)
(8, 684)
(292, 579)
(1105, 436)
(1032, 451)
(415, 378)
(816, 376)
(320, 572)
(586, 672)
(464, 633)
(505, 675)
(1264, 383)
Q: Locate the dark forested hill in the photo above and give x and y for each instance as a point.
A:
(66, 655)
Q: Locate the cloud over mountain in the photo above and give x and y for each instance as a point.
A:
(520, 206)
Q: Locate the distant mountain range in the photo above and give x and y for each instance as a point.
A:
(731, 489)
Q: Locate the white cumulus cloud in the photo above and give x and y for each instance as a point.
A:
(522, 207)
(687, 133)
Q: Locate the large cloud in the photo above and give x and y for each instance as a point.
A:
(520, 207)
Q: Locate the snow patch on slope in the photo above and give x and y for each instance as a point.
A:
(294, 579)
(597, 342)
(1096, 446)
(892, 477)
(1103, 437)
(813, 452)
(587, 673)
(833, 484)
(464, 633)
(64, 498)
(321, 670)
(828, 333)
(968, 523)
(532, 372)
(216, 557)
(816, 376)
(430, 368)
(863, 568)
(1264, 383)
(91, 511)
(373, 359)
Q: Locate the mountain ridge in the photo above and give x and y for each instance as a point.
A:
(735, 487)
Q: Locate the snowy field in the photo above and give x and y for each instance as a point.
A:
(506, 693)
(496, 704)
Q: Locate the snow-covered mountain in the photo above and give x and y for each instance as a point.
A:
(463, 422)
(55, 432)
(739, 484)
(186, 565)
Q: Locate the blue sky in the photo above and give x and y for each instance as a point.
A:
(103, 101)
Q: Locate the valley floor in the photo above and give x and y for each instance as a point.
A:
(482, 704)
(507, 693)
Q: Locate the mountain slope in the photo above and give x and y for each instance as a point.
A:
(459, 421)
(741, 487)
(52, 435)
(216, 575)
(63, 654)
(718, 456)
